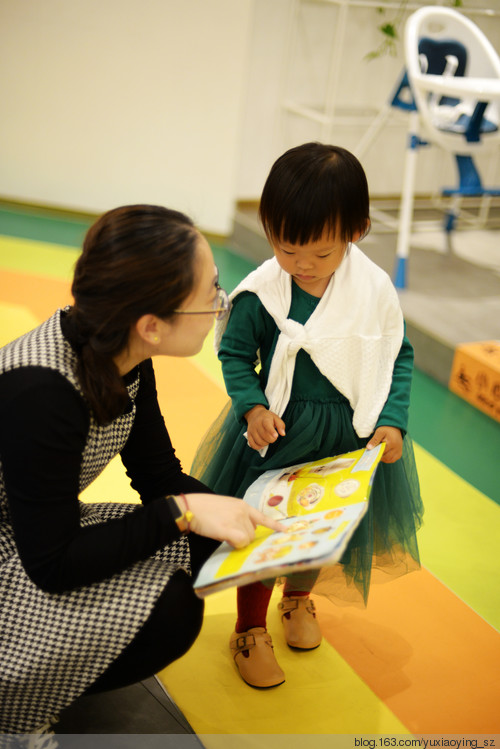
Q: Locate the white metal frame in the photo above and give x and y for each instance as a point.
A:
(481, 84)
(329, 115)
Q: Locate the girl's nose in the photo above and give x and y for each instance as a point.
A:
(304, 265)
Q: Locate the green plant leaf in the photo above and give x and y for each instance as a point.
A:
(389, 30)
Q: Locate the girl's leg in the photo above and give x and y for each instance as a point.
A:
(253, 602)
(251, 644)
(298, 613)
(300, 583)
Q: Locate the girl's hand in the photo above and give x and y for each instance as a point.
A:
(264, 427)
(226, 518)
(393, 443)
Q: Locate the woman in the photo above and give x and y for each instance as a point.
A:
(94, 597)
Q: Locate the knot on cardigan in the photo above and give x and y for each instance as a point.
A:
(294, 336)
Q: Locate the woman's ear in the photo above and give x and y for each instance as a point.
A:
(147, 328)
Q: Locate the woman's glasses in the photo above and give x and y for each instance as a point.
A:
(220, 307)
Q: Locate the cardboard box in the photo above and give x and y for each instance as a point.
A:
(475, 375)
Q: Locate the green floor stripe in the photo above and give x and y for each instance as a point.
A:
(33, 224)
(232, 268)
(460, 436)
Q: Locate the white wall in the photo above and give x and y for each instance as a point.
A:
(362, 89)
(107, 102)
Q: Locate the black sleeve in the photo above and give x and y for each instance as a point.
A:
(43, 429)
(148, 456)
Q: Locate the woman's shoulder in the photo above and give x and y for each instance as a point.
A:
(35, 377)
(40, 393)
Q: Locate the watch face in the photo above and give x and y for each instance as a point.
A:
(178, 516)
(174, 507)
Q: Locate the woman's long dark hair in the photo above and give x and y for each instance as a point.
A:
(311, 188)
(136, 260)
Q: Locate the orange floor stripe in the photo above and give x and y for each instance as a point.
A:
(41, 295)
(425, 653)
(205, 403)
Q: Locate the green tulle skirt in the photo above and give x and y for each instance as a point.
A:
(383, 546)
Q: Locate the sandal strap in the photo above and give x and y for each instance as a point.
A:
(243, 642)
(246, 641)
(291, 604)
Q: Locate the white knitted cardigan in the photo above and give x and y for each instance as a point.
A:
(353, 336)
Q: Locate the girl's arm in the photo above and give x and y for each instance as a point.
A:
(393, 420)
(395, 410)
(250, 330)
(250, 333)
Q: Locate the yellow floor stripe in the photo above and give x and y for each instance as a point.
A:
(208, 363)
(460, 536)
(322, 693)
(15, 320)
(39, 258)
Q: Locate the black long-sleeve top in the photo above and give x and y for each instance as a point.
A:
(43, 429)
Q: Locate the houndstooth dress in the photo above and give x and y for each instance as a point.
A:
(54, 646)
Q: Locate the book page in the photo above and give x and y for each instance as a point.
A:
(321, 503)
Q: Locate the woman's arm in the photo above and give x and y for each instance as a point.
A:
(148, 455)
(43, 430)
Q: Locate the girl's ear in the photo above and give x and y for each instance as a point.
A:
(362, 234)
(147, 328)
(368, 226)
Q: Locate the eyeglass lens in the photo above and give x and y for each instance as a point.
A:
(220, 303)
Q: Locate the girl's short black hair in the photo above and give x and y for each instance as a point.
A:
(311, 188)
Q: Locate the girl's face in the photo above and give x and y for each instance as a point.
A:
(311, 265)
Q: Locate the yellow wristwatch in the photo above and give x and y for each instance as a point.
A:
(182, 519)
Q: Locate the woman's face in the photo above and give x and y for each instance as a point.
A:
(184, 334)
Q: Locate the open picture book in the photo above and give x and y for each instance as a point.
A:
(321, 504)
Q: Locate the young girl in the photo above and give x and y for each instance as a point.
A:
(326, 324)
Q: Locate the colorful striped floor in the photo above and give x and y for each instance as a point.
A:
(423, 658)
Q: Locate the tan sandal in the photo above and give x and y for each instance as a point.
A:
(254, 656)
(298, 615)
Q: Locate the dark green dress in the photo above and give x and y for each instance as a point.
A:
(318, 421)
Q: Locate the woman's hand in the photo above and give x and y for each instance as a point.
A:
(393, 443)
(264, 427)
(227, 519)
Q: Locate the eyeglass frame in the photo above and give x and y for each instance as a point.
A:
(220, 312)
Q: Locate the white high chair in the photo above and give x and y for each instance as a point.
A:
(453, 72)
